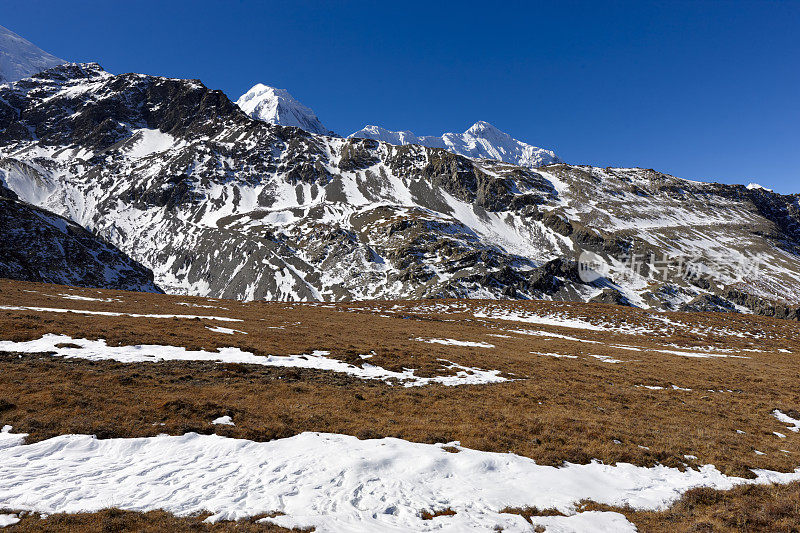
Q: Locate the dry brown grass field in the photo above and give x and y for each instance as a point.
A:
(586, 382)
(113, 520)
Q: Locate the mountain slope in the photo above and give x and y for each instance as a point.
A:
(277, 106)
(482, 140)
(20, 58)
(36, 245)
(218, 204)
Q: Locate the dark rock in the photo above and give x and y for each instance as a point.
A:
(611, 296)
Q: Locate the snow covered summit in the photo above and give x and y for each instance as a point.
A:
(482, 140)
(20, 58)
(277, 106)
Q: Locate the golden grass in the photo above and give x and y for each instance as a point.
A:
(117, 520)
(557, 409)
(744, 509)
(430, 515)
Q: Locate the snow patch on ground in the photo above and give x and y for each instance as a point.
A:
(87, 298)
(8, 439)
(551, 335)
(546, 320)
(8, 520)
(700, 355)
(111, 313)
(66, 346)
(454, 342)
(228, 331)
(187, 304)
(558, 355)
(224, 421)
(335, 482)
(607, 359)
(786, 419)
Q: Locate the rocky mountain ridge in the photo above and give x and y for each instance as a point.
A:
(481, 140)
(218, 204)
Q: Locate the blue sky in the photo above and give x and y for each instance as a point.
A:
(702, 90)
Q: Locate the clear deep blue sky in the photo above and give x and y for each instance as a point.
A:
(703, 90)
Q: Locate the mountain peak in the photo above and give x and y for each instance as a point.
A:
(65, 72)
(277, 106)
(482, 126)
(20, 58)
(484, 130)
(481, 140)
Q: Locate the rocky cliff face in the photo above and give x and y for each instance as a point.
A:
(37, 245)
(219, 204)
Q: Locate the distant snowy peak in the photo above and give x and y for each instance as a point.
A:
(392, 137)
(20, 58)
(752, 186)
(482, 140)
(277, 106)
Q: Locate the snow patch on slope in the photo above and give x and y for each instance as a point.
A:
(145, 142)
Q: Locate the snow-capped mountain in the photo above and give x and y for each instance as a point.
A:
(757, 186)
(218, 204)
(20, 58)
(482, 140)
(277, 106)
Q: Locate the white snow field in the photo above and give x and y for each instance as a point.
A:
(66, 346)
(336, 483)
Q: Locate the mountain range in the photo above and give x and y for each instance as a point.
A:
(217, 203)
(482, 140)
